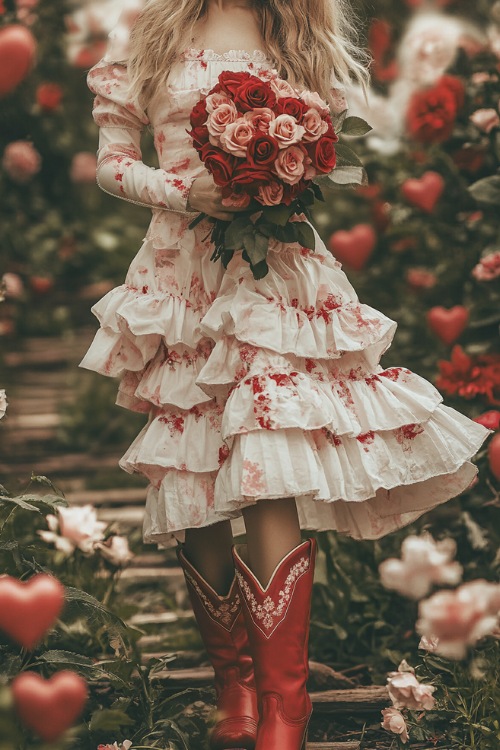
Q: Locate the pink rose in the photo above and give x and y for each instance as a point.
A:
(270, 195)
(78, 527)
(260, 118)
(237, 136)
(213, 101)
(286, 130)
(313, 99)
(485, 119)
(420, 278)
(219, 120)
(282, 88)
(405, 691)
(290, 164)
(394, 721)
(21, 161)
(83, 167)
(488, 267)
(13, 283)
(116, 550)
(460, 618)
(314, 125)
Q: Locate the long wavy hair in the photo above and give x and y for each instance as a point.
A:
(311, 42)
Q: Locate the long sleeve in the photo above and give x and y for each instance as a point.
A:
(121, 120)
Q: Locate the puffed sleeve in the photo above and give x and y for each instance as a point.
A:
(121, 120)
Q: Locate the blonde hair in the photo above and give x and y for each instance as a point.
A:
(312, 43)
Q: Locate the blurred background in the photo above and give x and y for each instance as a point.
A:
(420, 242)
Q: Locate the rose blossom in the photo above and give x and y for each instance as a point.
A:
(314, 125)
(270, 195)
(282, 88)
(116, 550)
(219, 120)
(48, 96)
(461, 617)
(488, 267)
(13, 283)
(126, 745)
(260, 118)
(83, 167)
(78, 527)
(423, 562)
(405, 691)
(21, 161)
(3, 403)
(420, 278)
(237, 136)
(313, 99)
(290, 164)
(286, 130)
(213, 101)
(485, 119)
(394, 721)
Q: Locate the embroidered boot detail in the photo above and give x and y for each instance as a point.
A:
(225, 611)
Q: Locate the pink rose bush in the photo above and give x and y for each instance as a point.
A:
(394, 721)
(74, 527)
(21, 161)
(424, 562)
(488, 267)
(405, 691)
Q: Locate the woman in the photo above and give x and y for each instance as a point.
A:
(268, 411)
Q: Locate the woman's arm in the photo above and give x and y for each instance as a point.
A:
(120, 169)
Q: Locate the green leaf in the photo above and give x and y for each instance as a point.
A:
(76, 596)
(66, 657)
(487, 191)
(317, 191)
(346, 157)
(307, 198)
(278, 214)
(260, 270)
(256, 246)
(348, 176)
(355, 126)
(20, 502)
(306, 235)
(109, 720)
(338, 120)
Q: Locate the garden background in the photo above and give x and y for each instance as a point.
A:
(420, 241)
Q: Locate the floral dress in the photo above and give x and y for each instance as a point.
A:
(253, 389)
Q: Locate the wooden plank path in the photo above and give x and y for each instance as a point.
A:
(40, 378)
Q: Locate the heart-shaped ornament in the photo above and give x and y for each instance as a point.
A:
(49, 707)
(424, 193)
(494, 455)
(448, 324)
(354, 247)
(17, 52)
(29, 608)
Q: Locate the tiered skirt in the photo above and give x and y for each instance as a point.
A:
(267, 389)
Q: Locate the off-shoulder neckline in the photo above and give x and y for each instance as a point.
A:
(194, 53)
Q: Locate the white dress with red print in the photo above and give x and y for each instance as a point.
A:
(254, 389)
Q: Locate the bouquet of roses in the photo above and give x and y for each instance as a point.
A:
(264, 142)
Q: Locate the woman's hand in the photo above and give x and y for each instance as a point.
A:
(206, 196)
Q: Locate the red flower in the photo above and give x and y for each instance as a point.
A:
(432, 113)
(490, 419)
(322, 153)
(220, 164)
(200, 137)
(253, 94)
(290, 105)
(250, 178)
(230, 81)
(199, 114)
(468, 376)
(262, 150)
(48, 96)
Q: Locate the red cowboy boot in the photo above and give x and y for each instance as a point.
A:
(277, 618)
(223, 631)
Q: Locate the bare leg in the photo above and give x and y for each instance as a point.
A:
(273, 530)
(209, 550)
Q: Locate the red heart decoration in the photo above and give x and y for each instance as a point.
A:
(448, 325)
(17, 52)
(29, 608)
(354, 247)
(49, 707)
(494, 455)
(424, 192)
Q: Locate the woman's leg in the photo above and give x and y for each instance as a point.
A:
(273, 529)
(209, 550)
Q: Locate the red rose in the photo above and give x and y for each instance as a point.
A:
(322, 153)
(199, 114)
(220, 164)
(253, 94)
(330, 132)
(48, 96)
(290, 105)
(230, 81)
(262, 150)
(248, 179)
(298, 188)
(431, 113)
(200, 136)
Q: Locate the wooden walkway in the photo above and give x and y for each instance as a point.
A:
(39, 376)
